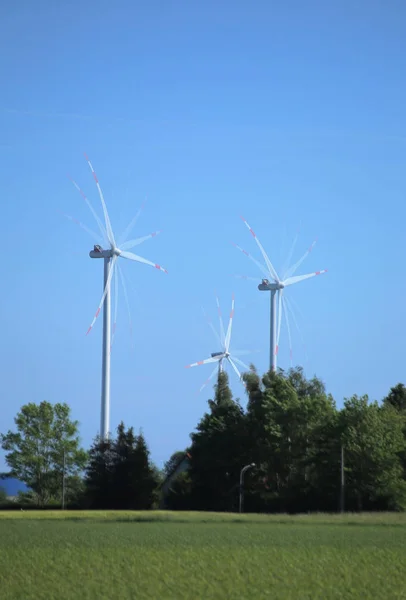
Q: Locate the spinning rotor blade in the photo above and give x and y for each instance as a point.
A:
(246, 277)
(84, 227)
(106, 214)
(295, 267)
(244, 352)
(131, 224)
(132, 243)
(222, 334)
(286, 264)
(123, 283)
(270, 266)
(285, 312)
(292, 280)
(254, 260)
(86, 199)
(289, 306)
(236, 370)
(206, 361)
(106, 289)
(137, 258)
(212, 374)
(230, 325)
(239, 362)
(210, 323)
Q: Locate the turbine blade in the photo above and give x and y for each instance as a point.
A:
(285, 312)
(123, 283)
(292, 270)
(212, 374)
(113, 333)
(254, 260)
(109, 230)
(285, 268)
(137, 258)
(292, 314)
(244, 352)
(297, 278)
(294, 305)
(86, 199)
(94, 235)
(246, 277)
(222, 334)
(106, 289)
(270, 266)
(278, 331)
(230, 325)
(239, 362)
(132, 243)
(236, 370)
(205, 362)
(210, 323)
(131, 224)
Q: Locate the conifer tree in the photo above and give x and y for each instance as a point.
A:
(217, 451)
(119, 474)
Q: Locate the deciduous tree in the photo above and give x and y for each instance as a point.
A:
(373, 441)
(35, 452)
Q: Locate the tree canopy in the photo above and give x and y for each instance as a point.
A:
(45, 445)
(119, 473)
(293, 432)
(290, 427)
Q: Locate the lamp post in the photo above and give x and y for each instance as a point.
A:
(242, 473)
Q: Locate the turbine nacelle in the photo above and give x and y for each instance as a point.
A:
(98, 252)
(216, 354)
(266, 286)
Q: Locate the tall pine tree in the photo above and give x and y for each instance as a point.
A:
(120, 475)
(99, 475)
(218, 451)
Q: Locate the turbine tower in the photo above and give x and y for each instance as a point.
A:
(224, 340)
(277, 286)
(110, 256)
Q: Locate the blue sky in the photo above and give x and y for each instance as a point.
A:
(289, 113)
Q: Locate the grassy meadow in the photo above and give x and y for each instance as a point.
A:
(161, 555)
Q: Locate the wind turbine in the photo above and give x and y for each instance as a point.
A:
(276, 286)
(110, 254)
(223, 339)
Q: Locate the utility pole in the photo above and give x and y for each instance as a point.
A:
(242, 473)
(342, 483)
(63, 479)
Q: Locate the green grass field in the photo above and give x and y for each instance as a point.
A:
(109, 555)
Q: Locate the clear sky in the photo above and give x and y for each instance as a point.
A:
(290, 113)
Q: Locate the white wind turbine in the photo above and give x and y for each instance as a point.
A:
(223, 339)
(110, 254)
(277, 286)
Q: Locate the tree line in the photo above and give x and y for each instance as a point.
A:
(308, 454)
